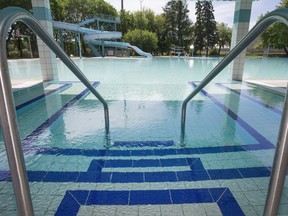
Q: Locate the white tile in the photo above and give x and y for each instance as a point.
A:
(212, 209)
(171, 210)
(85, 211)
(193, 209)
(149, 210)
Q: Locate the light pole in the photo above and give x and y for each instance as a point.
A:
(122, 5)
(141, 23)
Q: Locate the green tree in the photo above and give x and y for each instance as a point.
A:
(149, 39)
(198, 29)
(224, 35)
(79, 10)
(160, 30)
(177, 24)
(276, 35)
(127, 22)
(205, 26)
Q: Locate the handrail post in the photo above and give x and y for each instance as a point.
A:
(13, 14)
(280, 15)
(7, 107)
(11, 133)
(280, 165)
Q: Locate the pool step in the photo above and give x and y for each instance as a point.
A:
(142, 144)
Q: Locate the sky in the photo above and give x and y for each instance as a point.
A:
(223, 10)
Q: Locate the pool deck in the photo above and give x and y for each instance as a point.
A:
(277, 86)
(22, 84)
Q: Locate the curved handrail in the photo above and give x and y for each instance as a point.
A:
(11, 136)
(14, 14)
(280, 15)
(280, 163)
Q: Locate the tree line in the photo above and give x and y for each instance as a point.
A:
(155, 33)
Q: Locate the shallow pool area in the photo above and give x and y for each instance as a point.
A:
(222, 168)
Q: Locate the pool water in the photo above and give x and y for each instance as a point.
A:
(223, 168)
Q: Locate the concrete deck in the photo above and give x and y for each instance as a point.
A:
(22, 84)
(277, 86)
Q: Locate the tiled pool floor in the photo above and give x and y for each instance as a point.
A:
(71, 172)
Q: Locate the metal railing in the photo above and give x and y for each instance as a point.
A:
(280, 163)
(10, 129)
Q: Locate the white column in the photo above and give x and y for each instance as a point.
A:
(240, 29)
(41, 10)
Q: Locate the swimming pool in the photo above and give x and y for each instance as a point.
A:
(223, 169)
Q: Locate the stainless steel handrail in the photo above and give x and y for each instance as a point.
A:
(279, 15)
(280, 163)
(11, 135)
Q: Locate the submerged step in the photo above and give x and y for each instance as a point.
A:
(143, 143)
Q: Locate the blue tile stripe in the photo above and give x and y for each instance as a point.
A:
(144, 153)
(61, 88)
(242, 95)
(263, 142)
(73, 200)
(138, 177)
(143, 143)
(27, 141)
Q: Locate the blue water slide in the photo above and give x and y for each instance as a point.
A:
(93, 40)
(96, 37)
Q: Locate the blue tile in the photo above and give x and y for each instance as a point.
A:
(143, 197)
(118, 163)
(216, 193)
(160, 176)
(103, 177)
(208, 150)
(188, 151)
(198, 175)
(258, 146)
(108, 198)
(232, 148)
(120, 177)
(69, 151)
(5, 175)
(163, 152)
(173, 162)
(146, 163)
(255, 172)
(118, 153)
(94, 153)
(196, 164)
(142, 152)
(191, 196)
(224, 174)
(89, 176)
(68, 206)
(228, 205)
(143, 143)
(96, 166)
(222, 196)
(61, 177)
(80, 195)
(36, 175)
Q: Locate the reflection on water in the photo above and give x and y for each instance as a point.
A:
(156, 70)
